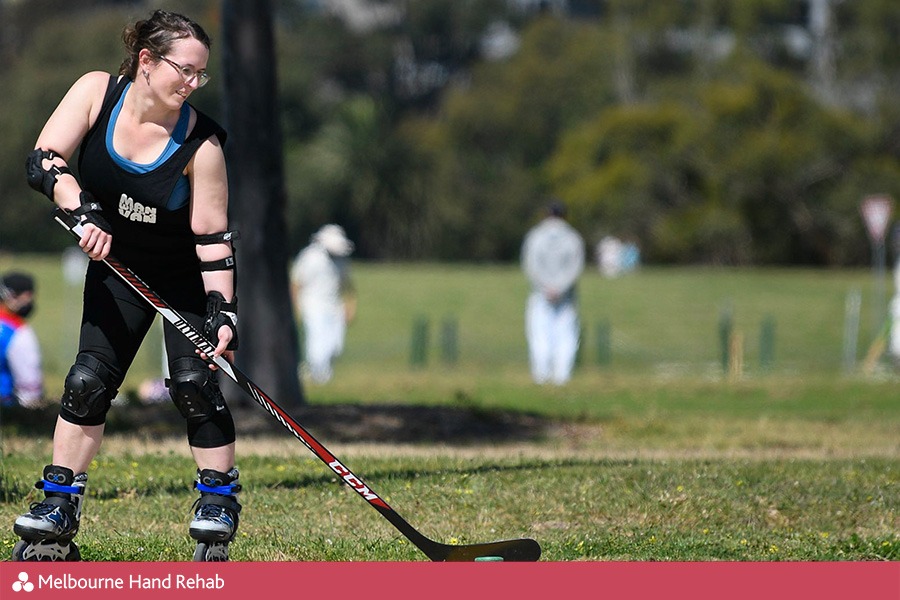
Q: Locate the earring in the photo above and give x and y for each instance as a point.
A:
(147, 77)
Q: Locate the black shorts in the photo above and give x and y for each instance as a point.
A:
(116, 320)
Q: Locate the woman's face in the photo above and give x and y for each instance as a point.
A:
(180, 71)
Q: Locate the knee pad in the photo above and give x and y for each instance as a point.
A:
(194, 389)
(89, 389)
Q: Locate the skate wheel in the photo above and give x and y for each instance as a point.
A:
(200, 552)
(18, 550)
(74, 553)
(45, 551)
(211, 552)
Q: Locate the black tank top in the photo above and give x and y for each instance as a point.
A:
(155, 242)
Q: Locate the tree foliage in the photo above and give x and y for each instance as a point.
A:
(736, 132)
(741, 169)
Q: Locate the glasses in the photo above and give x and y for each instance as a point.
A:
(188, 73)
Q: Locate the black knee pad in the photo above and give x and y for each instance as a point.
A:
(194, 389)
(89, 389)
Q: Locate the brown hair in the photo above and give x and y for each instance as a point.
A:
(157, 34)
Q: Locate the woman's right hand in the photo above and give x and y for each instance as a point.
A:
(95, 242)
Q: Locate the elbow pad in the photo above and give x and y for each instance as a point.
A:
(41, 179)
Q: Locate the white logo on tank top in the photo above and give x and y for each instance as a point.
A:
(135, 211)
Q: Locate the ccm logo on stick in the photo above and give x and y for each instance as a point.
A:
(351, 479)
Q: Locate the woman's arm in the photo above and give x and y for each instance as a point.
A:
(209, 216)
(62, 133)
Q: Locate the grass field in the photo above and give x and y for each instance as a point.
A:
(659, 454)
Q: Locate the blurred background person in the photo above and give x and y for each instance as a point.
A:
(324, 298)
(609, 256)
(553, 260)
(616, 257)
(21, 377)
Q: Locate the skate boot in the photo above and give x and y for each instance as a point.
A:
(48, 527)
(216, 516)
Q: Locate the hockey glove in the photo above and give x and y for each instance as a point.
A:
(89, 212)
(218, 313)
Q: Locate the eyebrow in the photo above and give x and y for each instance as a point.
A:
(185, 64)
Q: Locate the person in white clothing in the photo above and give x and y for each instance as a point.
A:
(553, 260)
(21, 375)
(323, 297)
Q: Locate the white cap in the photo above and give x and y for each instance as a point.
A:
(333, 238)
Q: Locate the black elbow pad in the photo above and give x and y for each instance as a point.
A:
(41, 179)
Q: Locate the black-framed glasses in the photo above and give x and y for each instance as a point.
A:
(188, 73)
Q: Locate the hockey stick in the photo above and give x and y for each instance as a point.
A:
(507, 550)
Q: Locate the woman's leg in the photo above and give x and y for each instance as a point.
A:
(113, 326)
(218, 459)
(195, 391)
(75, 446)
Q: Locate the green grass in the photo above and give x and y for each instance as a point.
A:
(589, 508)
(664, 321)
(659, 455)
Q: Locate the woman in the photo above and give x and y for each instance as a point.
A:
(153, 193)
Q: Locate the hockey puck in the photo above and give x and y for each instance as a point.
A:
(489, 559)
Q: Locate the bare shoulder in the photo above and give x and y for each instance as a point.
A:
(210, 154)
(88, 91)
(92, 83)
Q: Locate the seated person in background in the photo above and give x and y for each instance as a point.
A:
(21, 377)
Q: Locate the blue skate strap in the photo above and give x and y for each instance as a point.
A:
(222, 490)
(49, 486)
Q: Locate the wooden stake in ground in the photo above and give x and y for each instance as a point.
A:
(876, 350)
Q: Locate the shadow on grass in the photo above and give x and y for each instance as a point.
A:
(385, 423)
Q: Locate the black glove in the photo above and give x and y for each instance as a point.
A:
(218, 313)
(90, 209)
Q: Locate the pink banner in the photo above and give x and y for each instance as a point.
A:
(400, 581)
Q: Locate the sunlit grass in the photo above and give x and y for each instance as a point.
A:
(658, 455)
(578, 507)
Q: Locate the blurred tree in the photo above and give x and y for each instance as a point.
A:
(33, 84)
(736, 171)
(269, 348)
(498, 128)
(359, 170)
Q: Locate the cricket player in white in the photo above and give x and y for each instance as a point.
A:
(553, 260)
(323, 297)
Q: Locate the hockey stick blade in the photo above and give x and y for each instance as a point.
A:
(523, 550)
(508, 550)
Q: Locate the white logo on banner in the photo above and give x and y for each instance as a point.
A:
(22, 585)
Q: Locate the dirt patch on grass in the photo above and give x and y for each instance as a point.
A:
(462, 431)
(383, 423)
(405, 424)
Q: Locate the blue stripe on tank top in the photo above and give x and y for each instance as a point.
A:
(181, 193)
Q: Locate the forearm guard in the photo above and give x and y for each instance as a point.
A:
(223, 264)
